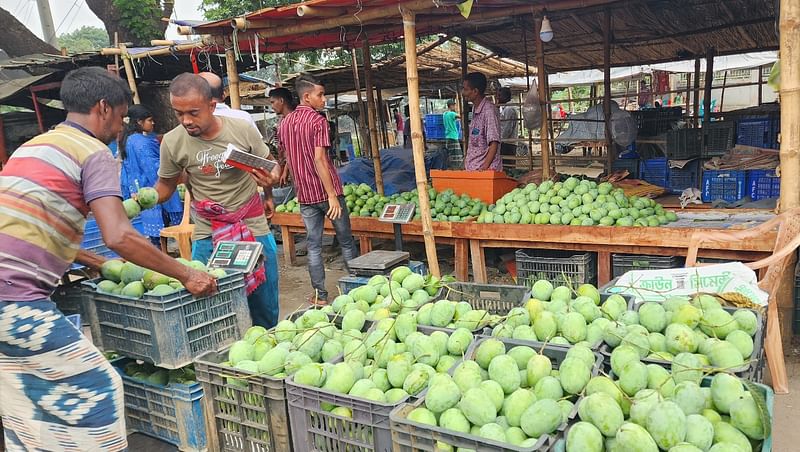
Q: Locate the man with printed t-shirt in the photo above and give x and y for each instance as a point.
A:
(226, 204)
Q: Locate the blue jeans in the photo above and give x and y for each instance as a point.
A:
(263, 302)
(314, 219)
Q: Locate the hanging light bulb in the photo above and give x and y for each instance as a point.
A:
(546, 32)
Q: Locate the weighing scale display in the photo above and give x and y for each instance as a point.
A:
(236, 256)
(397, 213)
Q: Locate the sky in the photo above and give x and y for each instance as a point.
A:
(69, 15)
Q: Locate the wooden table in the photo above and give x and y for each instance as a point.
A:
(470, 241)
(368, 228)
(658, 241)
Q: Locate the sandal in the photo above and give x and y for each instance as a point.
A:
(315, 301)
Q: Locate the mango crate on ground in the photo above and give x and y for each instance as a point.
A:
(173, 413)
(412, 435)
(169, 331)
(350, 282)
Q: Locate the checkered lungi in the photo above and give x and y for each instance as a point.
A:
(455, 158)
(57, 391)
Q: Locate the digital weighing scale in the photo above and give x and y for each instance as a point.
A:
(236, 256)
(381, 262)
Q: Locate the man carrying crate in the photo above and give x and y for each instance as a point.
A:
(226, 204)
(305, 139)
(58, 392)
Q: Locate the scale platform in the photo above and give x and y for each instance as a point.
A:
(378, 262)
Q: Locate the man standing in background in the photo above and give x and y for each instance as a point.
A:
(222, 109)
(282, 104)
(399, 127)
(484, 129)
(509, 122)
(454, 155)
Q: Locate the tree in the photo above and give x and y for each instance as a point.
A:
(136, 21)
(17, 40)
(84, 39)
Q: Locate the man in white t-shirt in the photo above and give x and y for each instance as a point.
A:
(223, 109)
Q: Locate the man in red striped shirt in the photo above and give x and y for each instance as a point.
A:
(304, 137)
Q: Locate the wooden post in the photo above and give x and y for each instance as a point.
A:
(760, 85)
(361, 114)
(373, 132)
(126, 61)
(709, 84)
(465, 104)
(383, 117)
(696, 105)
(688, 92)
(790, 175)
(418, 146)
(541, 74)
(528, 85)
(233, 79)
(607, 86)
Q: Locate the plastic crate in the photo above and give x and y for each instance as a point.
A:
(686, 177)
(655, 171)
(623, 263)
(558, 267)
(93, 240)
(763, 184)
(71, 299)
(684, 144)
(434, 127)
(350, 282)
(728, 185)
(170, 331)
(754, 364)
(413, 436)
(760, 132)
(655, 121)
(719, 138)
(631, 165)
(172, 413)
(493, 298)
(248, 411)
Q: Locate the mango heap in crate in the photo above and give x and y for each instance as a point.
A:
(131, 280)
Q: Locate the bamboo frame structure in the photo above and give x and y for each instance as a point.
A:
(418, 146)
(541, 74)
(126, 61)
(233, 79)
(607, 86)
(362, 126)
(464, 104)
(373, 131)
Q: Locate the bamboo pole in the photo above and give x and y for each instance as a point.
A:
(789, 26)
(544, 140)
(709, 83)
(361, 114)
(696, 104)
(233, 79)
(528, 86)
(311, 11)
(465, 105)
(688, 92)
(418, 146)
(126, 61)
(152, 53)
(383, 116)
(722, 96)
(373, 131)
(607, 86)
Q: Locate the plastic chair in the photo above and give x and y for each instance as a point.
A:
(772, 269)
(182, 233)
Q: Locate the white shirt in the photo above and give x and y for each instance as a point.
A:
(224, 110)
(509, 122)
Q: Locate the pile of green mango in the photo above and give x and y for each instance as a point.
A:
(146, 372)
(131, 280)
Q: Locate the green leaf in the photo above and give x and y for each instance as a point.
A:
(761, 404)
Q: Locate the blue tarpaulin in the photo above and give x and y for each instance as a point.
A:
(397, 164)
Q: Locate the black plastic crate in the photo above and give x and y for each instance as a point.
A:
(719, 138)
(631, 165)
(623, 263)
(683, 144)
(558, 267)
(687, 177)
(655, 121)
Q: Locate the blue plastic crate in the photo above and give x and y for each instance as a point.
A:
(173, 413)
(172, 330)
(434, 127)
(760, 132)
(763, 184)
(655, 171)
(728, 185)
(631, 165)
(686, 177)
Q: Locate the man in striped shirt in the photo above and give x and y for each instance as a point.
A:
(304, 137)
(58, 391)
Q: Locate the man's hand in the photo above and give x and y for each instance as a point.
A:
(200, 283)
(269, 208)
(264, 178)
(284, 175)
(334, 208)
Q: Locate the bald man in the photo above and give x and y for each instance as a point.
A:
(222, 109)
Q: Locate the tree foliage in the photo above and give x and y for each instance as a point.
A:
(84, 39)
(136, 21)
